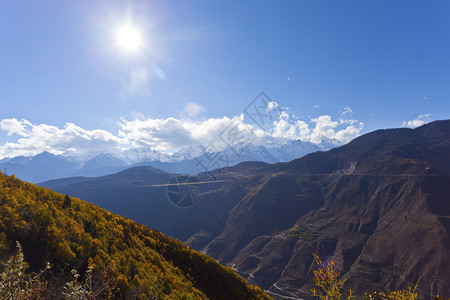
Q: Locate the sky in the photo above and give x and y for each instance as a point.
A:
(329, 69)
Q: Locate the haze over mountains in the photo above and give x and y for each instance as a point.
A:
(46, 166)
(378, 205)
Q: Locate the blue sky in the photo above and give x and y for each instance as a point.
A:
(387, 61)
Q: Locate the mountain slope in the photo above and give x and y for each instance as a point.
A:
(38, 168)
(378, 205)
(383, 215)
(71, 233)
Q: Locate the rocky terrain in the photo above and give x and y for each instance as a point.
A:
(379, 206)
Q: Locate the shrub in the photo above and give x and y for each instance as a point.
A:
(16, 284)
(406, 294)
(329, 287)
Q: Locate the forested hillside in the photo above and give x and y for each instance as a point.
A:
(129, 259)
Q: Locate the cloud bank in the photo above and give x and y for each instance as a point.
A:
(71, 139)
(170, 134)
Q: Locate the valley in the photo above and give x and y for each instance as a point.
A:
(377, 205)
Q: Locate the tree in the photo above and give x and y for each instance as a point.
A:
(67, 202)
(327, 282)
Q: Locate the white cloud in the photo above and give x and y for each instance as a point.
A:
(35, 139)
(316, 106)
(324, 128)
(346, 135)
(137, 84)
(272, 105)
(299, 130)
(318, 129)
(348, 121)
(170, 134)
(160, 134)
(419, 121)
(283, 115)
(14, 126)
(347, 112)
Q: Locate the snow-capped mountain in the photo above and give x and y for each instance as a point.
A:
(187, 153)
(46, 166)
(137, 155)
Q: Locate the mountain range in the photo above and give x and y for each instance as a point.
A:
(189, 160)
(378, 206)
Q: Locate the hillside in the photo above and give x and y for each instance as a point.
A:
(72, 234)
(379, 206)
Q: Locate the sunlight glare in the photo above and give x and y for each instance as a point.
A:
(129, 38)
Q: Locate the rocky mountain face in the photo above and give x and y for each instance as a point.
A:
(379, 206)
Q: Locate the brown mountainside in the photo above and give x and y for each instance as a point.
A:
(378, 205)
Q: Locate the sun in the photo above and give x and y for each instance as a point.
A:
(129, 38)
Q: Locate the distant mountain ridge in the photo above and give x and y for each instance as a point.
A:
(47, 166)
(379, 205)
